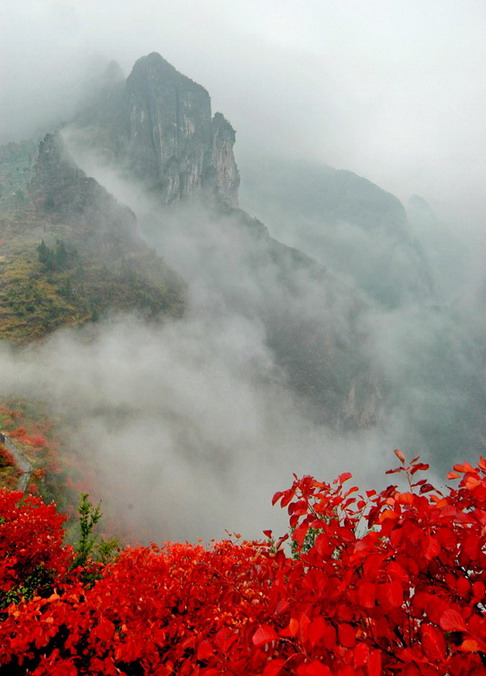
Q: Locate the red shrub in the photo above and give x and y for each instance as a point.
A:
(31, 540)
(6, 458)
(389, 583)
(37, 440)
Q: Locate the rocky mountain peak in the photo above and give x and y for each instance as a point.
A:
(156, 69)
(159, 125)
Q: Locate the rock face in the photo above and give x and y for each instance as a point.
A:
(227, 178)
(159, 125)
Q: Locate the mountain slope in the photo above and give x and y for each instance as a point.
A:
(345, 222)
(70, 253)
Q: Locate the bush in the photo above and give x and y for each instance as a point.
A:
(389, 583)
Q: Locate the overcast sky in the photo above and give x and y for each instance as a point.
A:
(394, 90)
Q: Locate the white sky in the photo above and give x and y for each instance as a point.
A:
(394, 90)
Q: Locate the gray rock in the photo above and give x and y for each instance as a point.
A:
(158, 126)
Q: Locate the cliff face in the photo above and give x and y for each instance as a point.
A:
(227, 178)
(159, 126)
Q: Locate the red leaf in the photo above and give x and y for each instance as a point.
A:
(430, 547)
(315, 668)
(387, 514)
(287, 497)
(264, 634)
(419, 466)
(347, 635)
(204, 650)
(391, 593)
(104, 630)
(300, 533)
(465, 467)
(406, 498)
(471, 482)
(471, 546)
(367, 594)
(273, 667)
(293, 627)
(344, 477)
(451, 620)
(433, 641)
(316, 630)
(329, 637)
(282, 606)
(396, 593)
(374, 663)
(470, 645)
(399, 455)
(323, 545)
(361, 654)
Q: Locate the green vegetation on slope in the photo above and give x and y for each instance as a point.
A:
(68, 251)
(37, 298)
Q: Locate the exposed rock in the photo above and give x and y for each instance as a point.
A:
(159, 126)
(227, 176)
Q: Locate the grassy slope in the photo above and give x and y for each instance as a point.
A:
(35, 300)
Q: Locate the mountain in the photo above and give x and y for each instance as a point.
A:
(158, 127)
(346, 222)
(322, 319)
(70, 252)
(158, 124)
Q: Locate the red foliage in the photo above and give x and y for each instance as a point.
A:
(18, 432)
(6, 458)
(389, 583)
(37, 440)
(31, 541)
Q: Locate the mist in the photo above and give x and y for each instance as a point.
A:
(394, 92)
(188, 428)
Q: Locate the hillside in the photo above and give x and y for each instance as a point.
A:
(69, 253)
(346, 222)
(155, 130)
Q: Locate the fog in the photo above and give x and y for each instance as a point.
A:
(392, 91)
(188, 428)
(190, 425)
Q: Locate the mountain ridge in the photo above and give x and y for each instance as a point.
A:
(320, 313)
